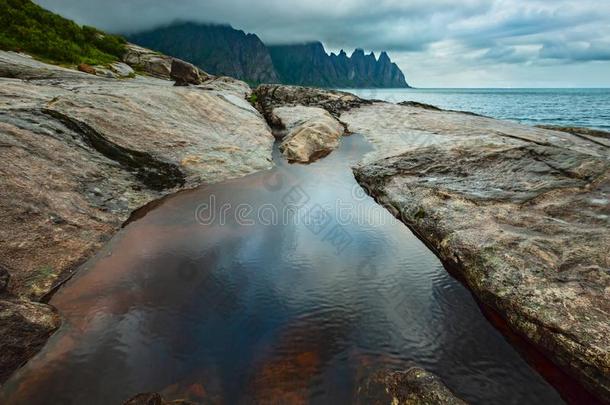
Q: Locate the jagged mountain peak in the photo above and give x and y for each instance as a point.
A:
(311, 66)
(384, 58)
(223, 50)
(358, 52)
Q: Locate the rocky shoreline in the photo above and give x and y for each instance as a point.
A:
(523, 218)
(81, 152)
(522, 213)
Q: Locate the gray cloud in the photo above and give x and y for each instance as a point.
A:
(576, 51)
(462, 35)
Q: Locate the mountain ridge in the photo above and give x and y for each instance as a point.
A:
(309, 64)
(221, 49)
(218, 49)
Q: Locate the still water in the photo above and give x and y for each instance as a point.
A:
(588, 108)
(288, 285)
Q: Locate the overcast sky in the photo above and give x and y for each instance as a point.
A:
(437, 43)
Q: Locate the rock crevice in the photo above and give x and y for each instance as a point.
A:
(153, 173)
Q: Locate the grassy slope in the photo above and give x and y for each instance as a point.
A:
(25, 26)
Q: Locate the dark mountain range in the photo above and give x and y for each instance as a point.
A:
(223, 50)
(217, 49)
(310, 65)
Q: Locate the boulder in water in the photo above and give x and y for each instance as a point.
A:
(312, 133)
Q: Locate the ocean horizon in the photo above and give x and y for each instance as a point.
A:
(580, 107)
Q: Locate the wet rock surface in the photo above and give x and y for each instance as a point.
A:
(24, 328)
(521, 213)
(412, 387)
(311, 133)
(81, 152)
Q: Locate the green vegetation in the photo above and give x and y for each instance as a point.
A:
(253, 99)
(24, 26)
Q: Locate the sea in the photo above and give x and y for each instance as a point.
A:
(581, 107)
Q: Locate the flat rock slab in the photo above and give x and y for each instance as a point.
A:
(522, 213)
(80, 153)
(394, 129)
(415, 386)
(311, 133)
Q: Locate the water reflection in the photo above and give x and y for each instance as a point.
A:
(222, 312)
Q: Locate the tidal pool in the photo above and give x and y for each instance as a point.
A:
(286, 286)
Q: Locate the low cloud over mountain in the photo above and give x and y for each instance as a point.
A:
(498, 42)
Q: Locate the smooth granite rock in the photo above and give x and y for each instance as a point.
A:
(592, 135)
(148, 61)
(21, 66)
(412, 387)
(311, 133)
(80, 155)
(522, 213)
(103, 71)
(122, 69)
